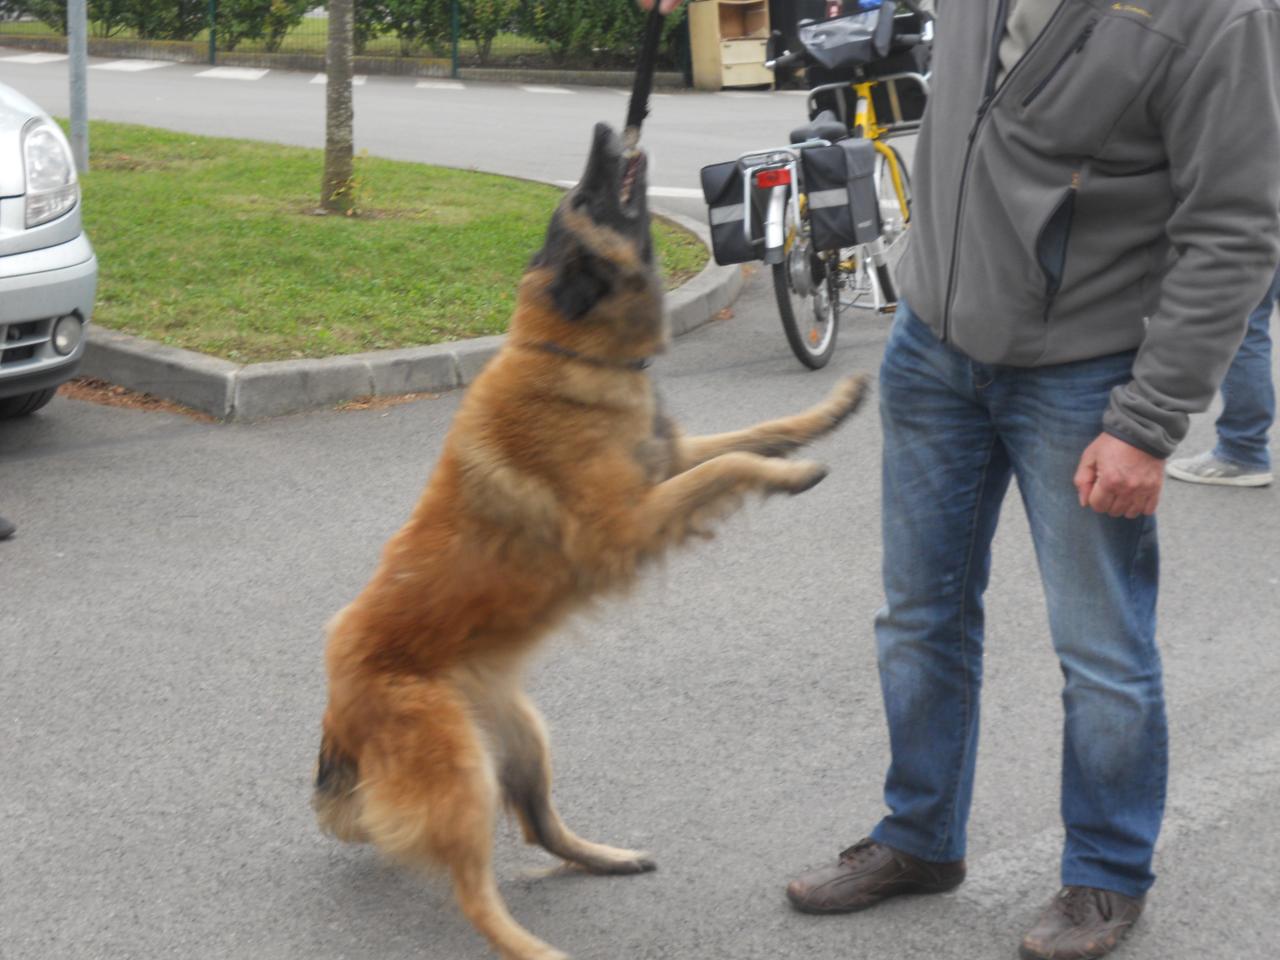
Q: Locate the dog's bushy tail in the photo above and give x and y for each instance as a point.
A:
(336, 800)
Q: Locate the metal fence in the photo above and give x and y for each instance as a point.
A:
(423, 37)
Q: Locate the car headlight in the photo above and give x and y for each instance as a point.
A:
(52, 188)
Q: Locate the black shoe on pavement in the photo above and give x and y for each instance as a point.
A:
(7, 529)
(867, 873)
(1081, 923)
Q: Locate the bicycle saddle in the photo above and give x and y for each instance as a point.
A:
(824, 126)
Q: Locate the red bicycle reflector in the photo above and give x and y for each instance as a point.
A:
(778, 177)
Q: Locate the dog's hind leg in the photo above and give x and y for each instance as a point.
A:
(431, 797)
(526, 781)
(775, 438)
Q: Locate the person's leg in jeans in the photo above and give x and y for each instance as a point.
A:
(1241, 458)
(1100, 578)
(1248, 394)
(945, 474)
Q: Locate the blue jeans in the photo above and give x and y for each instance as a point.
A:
(955, 432)
(1248, 395)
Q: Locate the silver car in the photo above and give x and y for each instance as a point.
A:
(48, 273)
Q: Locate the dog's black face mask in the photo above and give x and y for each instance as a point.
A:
(608, 206)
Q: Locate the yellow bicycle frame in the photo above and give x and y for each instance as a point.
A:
(866, 123)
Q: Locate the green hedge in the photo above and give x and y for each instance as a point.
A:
(594, 32)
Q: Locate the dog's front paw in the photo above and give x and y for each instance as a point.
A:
(844, 399)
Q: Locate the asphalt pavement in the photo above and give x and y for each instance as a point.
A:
(161, 685)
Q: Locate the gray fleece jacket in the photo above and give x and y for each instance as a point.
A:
(1117, 188)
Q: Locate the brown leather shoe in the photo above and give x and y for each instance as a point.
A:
(1081, 923)
(867, 873)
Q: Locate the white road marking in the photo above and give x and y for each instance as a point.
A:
(35, 58)
(534, 88)
(357, 80)
(132, 66)
(439, 85)
(670, 193)
(233, 73)
(676, 193)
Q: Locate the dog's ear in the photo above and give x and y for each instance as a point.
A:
(582, 280)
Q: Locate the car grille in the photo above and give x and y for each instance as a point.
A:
(21, 342)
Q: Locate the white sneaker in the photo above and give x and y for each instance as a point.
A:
(1206, 468)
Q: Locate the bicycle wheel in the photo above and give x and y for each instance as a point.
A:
(805, 286)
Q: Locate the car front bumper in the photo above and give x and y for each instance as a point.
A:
(35, 289)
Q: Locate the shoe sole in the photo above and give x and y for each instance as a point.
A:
(802, 907)
(1246, 480)
(1026, 954)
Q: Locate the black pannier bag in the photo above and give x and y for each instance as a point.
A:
(840, 185)
(722, 189)
(836, 48)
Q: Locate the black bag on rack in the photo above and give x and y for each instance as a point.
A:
(840, 187)
(722, 189)
(837, 48)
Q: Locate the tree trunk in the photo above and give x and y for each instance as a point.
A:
(337, 190)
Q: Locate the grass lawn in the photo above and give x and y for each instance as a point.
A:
(214, 245)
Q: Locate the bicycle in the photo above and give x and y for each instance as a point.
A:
(830, 245)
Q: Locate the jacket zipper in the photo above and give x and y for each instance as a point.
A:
(990, 92)
(1075, 48)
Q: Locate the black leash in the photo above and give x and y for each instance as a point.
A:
(639, 106)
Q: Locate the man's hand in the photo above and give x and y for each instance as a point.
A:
(1118, 479)
(666, 6)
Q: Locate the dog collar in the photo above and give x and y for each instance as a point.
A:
(548, 346)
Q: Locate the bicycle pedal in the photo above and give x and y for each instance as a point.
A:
(887, 308)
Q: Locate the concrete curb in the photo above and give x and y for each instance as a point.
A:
(231, 391)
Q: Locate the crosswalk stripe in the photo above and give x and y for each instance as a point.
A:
(670, 193)
(233, 73)
(131, 66)
(357, 80)
(35, 58)
(439, 85)
(534, 88)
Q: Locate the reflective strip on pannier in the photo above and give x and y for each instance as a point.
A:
(729, 214)
(821, 199)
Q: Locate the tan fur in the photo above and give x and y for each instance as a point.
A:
(558, 480)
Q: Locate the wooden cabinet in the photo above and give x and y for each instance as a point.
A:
(728, 43)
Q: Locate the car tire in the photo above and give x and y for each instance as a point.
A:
(25, 403)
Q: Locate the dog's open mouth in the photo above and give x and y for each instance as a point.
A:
(632, 179)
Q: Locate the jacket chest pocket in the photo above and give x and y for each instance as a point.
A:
(1086, 81)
